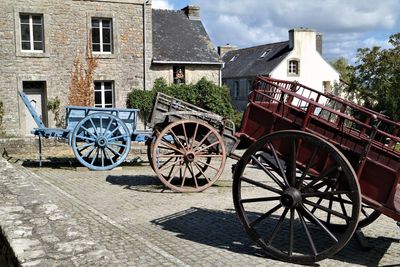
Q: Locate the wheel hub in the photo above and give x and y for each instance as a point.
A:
(189, 157)
(291, 198)
(101, 141)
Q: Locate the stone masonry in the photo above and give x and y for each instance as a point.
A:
(66, 31)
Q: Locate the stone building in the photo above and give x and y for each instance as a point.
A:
(182, 50)
(299, 59)
(40, 40)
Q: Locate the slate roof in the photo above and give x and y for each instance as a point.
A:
(176, 38)
(249, 63)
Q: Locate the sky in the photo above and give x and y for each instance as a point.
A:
(346, 25)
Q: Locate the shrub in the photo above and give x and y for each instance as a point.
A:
(204, 94)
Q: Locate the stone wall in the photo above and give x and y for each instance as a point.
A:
(66, 29)
(193, 73)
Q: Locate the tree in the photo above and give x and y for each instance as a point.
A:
(377, 77)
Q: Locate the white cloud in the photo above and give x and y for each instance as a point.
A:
(345, 25)
(161, 4)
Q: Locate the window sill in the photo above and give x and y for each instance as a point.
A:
(104, 56)
(293, 75)
(33, 54)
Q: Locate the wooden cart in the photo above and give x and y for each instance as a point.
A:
(317, 168)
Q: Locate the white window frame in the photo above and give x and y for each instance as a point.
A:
(294, 67)
(32, 50)
(101, 36)
(103, 95)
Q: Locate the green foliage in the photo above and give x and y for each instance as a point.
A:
(53, 105)
(376, 77)
(204, 94)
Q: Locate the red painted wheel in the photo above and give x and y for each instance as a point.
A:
(188, 156)
(289, 187)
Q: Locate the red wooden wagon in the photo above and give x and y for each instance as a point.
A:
(317, 168)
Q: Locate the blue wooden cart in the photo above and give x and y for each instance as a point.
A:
(100, 137)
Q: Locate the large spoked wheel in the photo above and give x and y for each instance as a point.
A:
(287, 187)
(101, 141)
(188, 156)
(367, 216)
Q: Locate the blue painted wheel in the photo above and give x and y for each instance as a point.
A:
(101, 141)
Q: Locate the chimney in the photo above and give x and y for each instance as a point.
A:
(223, 49)
(319, 42)
(192, 12)
(303, 38)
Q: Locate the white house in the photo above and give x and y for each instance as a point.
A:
(298, 59)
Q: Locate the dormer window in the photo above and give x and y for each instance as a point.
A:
(293, 67)
(233, 58)
(265, 53)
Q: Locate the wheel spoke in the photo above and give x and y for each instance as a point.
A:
(101, 124)
(88, 152)
(341, 201)
(206, 164)
(322, 175)
(87, 130)
(202, 141)
(177, 139)
(117, 137)
(270, 174)
(165, 164)
(265, 215)
(278, 162)
(82, 147)
(323, 227)
(94, 126)
(328, 210)
(267, 187)
(114, 151)
(169, 146)
(194, 135)
(117, 144)
(184, 134)
(172, 175)
(86, 138)
(259, 199)
(291, 232)
(204, 148)
(201, 171)
(193, 176)
(320, 199)
(102, 157)
(277, 227)
(109, 157)
(327, 194)
(310, 240)
(108, 126)
(95, 156)
(309, 165)
(184, 175)
(291, 171)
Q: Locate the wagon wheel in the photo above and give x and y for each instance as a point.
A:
(101, 141)
(150, 148)
(188, 156)
(277, 184)
(367, 216)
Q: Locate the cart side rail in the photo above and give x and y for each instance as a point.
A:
(74, 114)
(305, 105)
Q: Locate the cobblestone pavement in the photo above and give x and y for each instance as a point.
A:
(62, 216)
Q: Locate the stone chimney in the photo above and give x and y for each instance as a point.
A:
(223, 49)
(192, 12)
(319, 42)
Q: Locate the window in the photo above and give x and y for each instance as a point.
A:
(265, 53)
(235, 93)
(179, 74)
(293, 67)
(102, 35)
(32, 33)
(103, 94)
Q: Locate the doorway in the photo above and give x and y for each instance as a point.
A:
(36, 92)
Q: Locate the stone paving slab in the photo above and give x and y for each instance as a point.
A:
(59, 216)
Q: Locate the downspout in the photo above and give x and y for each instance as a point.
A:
(144, 45)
